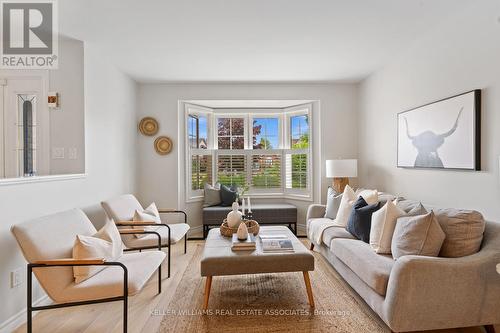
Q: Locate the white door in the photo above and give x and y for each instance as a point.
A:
(18, 92)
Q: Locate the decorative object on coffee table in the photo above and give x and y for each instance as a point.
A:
(252, 226)
(163, 145)
(234, 217)
(341, 171)
(242, 232)
(148, 126)
(442, 135)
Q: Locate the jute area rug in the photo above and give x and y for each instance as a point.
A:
(267, 303)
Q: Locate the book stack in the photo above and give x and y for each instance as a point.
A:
(276, 244)
(243, 245)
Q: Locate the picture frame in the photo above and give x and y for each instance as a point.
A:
(442, 135)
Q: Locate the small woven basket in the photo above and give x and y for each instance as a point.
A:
(252, 226)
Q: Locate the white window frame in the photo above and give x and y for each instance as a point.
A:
(191, 109)
(284, 119)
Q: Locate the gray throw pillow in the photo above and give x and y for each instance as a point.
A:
(464, 231)
(333, 200)
(417, 210)
(212, 195)
(417, 235)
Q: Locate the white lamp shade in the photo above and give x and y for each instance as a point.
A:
(341, 168)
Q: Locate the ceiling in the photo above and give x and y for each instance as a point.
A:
(252, 40)
(248, 104)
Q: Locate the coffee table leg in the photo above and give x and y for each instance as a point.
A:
(308, 288)
(208, 285)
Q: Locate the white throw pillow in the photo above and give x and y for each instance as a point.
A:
(106, 243)
(333, 200)
(345, 208)
(150, 214)
(111, 234)
(370, 196)
(383, 225)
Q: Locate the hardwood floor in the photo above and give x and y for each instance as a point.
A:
(107, 317)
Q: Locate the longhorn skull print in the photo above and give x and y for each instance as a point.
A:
(428, 143)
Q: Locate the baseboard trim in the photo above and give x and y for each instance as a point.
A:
(11, 324)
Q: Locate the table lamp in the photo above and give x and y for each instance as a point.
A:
(341, 171)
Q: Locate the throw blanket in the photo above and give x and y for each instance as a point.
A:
(317, 227)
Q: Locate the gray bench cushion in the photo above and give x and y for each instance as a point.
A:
(374, 269)
(278, 213)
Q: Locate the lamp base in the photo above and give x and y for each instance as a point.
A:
(339, 184)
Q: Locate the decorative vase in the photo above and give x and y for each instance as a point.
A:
(242, 231)
(234, 216)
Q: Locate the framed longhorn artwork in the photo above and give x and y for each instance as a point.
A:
(442, 135)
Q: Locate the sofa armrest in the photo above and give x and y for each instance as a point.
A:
(434, 291)
(315, 211)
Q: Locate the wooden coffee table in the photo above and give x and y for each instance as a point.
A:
(218, 259)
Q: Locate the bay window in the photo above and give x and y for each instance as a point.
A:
(268, 152)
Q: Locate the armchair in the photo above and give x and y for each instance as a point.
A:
(121, 210)
(47, 245)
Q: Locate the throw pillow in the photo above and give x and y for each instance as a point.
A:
(360, 220)
(228, 195)
(417, 210)
(370, 196)
(212, 195)
(345, 207)
(417, 235)
(332, 203)
(110, 233)
(382, 227)
(106, 243)
(463, 229)
(149, 214)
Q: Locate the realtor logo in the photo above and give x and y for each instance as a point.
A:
(29, 34)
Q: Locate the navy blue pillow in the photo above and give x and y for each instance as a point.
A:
(228, 195)
(360, 220)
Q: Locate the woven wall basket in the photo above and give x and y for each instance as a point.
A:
(148, 126)
(163, 145)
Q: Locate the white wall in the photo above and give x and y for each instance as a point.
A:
(158, 175)
(110, 128)
(460, 55)
(66, 122)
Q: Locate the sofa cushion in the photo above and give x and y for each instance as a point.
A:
(335, 232)
(333, 200)
(463, 229)
(359, 223)
(417, 235)
(374, 269)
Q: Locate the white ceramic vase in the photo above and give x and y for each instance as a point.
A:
(242, 231)
(234, 217)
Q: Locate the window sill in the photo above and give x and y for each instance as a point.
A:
(40, 179)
